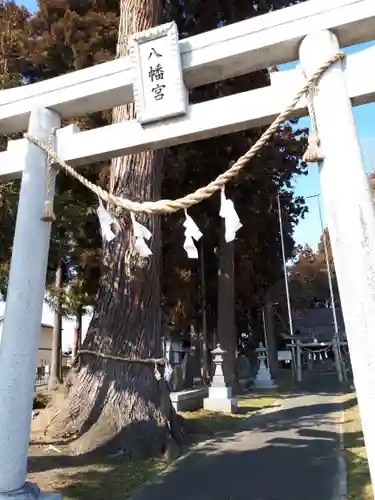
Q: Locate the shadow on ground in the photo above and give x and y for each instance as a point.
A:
(290, 453)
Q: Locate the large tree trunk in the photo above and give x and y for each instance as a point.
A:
(271, 338)
(54, 378)
(119, 406)
(205, 354)
(226, 331)
(77, 336)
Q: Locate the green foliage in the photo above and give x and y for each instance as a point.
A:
(62, 37)
(70, 35)
(8, 207)
(71, 299)
(13, 40)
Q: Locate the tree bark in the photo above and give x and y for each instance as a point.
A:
(117, 406)
(54, 378)
(205, 354)
(226, 331)
(77, 338)
(271, 339)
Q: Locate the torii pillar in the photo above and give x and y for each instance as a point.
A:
(23, 313)
(351, 219)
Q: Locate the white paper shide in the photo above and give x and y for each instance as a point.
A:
(192, 233)
(106, 220)
(229, 214)
(141, 234)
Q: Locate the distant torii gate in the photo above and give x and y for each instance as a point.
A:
(298, 345)
(250, 45)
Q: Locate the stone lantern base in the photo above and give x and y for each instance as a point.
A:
(221, 403)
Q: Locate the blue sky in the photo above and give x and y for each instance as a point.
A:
(29, 4)
(308, 230)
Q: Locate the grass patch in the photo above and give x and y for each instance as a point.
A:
(117, 479)
(205, 424)
(359, 482)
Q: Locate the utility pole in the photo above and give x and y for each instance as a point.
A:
(297, 353)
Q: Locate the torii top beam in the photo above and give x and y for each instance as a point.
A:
(226, 52)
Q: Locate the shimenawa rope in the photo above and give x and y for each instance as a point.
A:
(145, 361)
(169, 206)
(313, 153)
(48, 215)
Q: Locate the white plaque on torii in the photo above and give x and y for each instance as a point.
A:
(158, 85)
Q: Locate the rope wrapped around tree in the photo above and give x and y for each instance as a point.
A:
(146, 361)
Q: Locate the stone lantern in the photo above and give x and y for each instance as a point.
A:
(263, 379)
(219, 393)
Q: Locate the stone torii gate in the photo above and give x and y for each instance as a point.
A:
(309, 31)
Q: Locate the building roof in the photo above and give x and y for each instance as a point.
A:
(318, 322)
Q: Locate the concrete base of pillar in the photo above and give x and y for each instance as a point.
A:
(220, 405)
(220, 399)
(29, 491)
(219, 392)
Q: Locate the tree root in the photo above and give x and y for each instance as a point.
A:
(112, 414)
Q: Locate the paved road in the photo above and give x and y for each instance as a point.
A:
(291, 454)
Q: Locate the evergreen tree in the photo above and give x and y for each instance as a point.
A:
(63, 37)
(13, 43)
(13, 62)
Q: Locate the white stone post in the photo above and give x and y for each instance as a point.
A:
(351, 220)
(21, 331)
